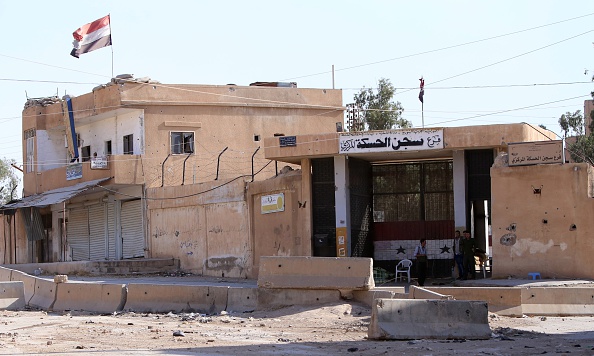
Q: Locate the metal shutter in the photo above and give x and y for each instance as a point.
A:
(132, 229)
(111, 231)
(78, 234)
(97, 232)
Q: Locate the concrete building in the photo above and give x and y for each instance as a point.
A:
(375, 194)
(94, 162)
(218, 176)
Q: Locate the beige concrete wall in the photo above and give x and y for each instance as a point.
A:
(283, 233)
(318, 145)
(210, 231)
(489, 136)
(207, 230)
(548, 232)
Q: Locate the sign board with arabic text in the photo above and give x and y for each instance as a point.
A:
(391, 141)
(272, 203)
(528, 153)
(99, 163)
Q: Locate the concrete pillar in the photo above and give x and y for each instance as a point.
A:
(342, 206)
(307, 227)
(459, 168)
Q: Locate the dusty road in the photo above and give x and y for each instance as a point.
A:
(336, 329)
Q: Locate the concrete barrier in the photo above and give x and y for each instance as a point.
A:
(501, 300)
(28, 282)
(92, 297)
(316, 273)
(405, 319)
(241, 299)
(44, 294)
(422, 293)
(368, 296)
(5, 274)
(162, 298)
(275, 298)
(12, 295)
(558, 301)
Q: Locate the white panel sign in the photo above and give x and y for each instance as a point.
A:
(542, 152)
(273, 203)
(391, 141)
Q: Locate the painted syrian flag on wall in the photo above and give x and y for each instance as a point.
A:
(91, 36)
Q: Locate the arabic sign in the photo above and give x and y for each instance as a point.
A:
(99, 162)
(272, 203)
(392, 141)
(74, 171)
(285, 141)
(527, 153)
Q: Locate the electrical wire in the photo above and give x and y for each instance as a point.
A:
(440, 49)
(499, 62)
(503, 111)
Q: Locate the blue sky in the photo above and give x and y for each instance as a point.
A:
(450, 43)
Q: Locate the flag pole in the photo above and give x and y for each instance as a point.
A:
(421, 94)
(111, 34)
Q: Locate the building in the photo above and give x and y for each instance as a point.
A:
(90, 161)
(375, 194)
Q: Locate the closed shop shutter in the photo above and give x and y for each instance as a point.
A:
(97, 239)
(111, 231)
(78, 234)
(132, 229)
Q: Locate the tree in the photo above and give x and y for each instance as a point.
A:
(8, 180)
(582, 149)
(379, 112)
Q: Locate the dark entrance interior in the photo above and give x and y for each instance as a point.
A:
(323, 207)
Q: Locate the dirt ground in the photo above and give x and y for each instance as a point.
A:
(336, 329)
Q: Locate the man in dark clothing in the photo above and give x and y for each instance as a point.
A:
(468, 246)
(458, 255)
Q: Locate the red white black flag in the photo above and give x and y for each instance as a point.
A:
(91, 36)
(422, 92)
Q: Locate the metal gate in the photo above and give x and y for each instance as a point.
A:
(360, 189)
(323, 211)
(78, 234)
(132, 229)
(97, 232)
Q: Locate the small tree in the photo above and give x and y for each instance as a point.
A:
(8, 180)
(379, 112)
(572, 124)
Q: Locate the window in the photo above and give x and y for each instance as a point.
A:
(30, 138)
(108, 147)
(129, 144)
(86, 153)
(182, 142)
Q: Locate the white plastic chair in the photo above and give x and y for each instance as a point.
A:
(403, 267)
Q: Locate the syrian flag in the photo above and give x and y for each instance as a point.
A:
(422, 92)
(91, 36)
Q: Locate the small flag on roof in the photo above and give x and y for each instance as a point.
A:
(91, 36)
(422, 92)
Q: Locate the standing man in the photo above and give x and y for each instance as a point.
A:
(468, 247)
(421, 257)
(458, 255)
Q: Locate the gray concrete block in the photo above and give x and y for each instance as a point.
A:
(405, 319)
(12, 295)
